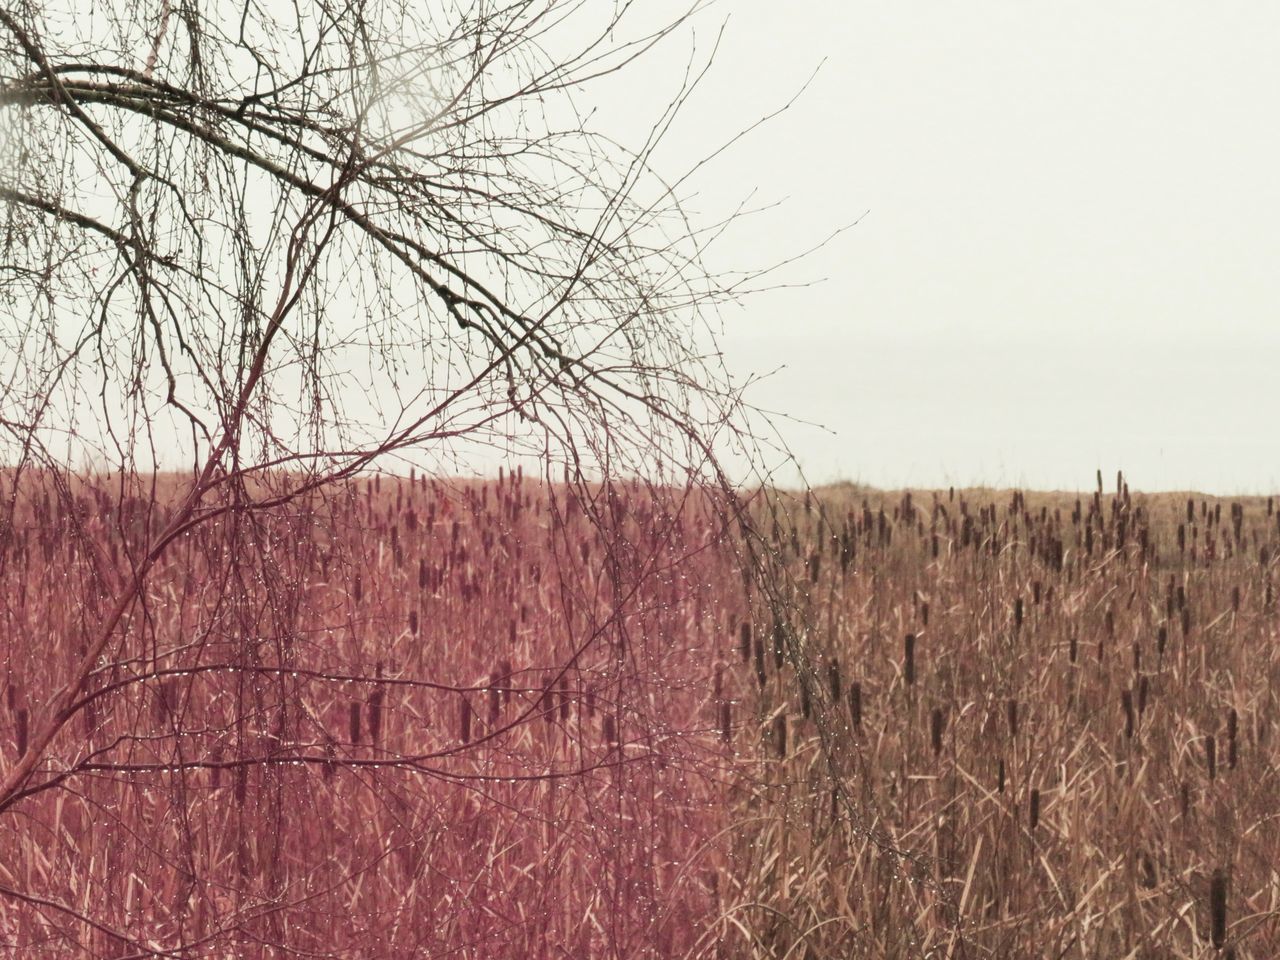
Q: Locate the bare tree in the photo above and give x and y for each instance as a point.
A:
(252, 254)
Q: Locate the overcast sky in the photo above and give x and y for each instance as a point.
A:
(1070, 254)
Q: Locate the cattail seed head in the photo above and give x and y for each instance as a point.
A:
(855, 704)
(354, 717)
(1035, 808)
(1218, 908)
(495, 698)
(464, 720)
(20, 730)
(504, 676)
(909, 659)
(937, 723)
(1211, 756)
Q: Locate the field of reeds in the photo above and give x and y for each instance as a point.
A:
(511, 719)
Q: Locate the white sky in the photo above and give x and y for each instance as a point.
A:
(1070, 257)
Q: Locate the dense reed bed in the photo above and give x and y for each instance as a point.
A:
(508, 719)
(407, 720)
(1057, 713)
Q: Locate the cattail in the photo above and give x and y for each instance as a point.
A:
(547, 703)
(780, 734)
(1126, 700)
(744, 641)
(1186, 621)
(413, 622)
(1233, 723)
(242, 783)
(760, 674)
(355, 721)
(1218, 908)
(1035, 808)
(936, 724)
(778, 644)
(1142, 695)
(609, 729)
(1017, 614)
(1000, 776)
(564, 696)
(1235, 599)
(166, 699)
(726, 721)
(1011, 710)
(1184, 801)
(1149, 879)
(215, 767)
(495, 698)
(909, 658)
(1073, 648)
(464, 720)
(1162, 638)
(833, 679)
(1211, 756)
(855, 704)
